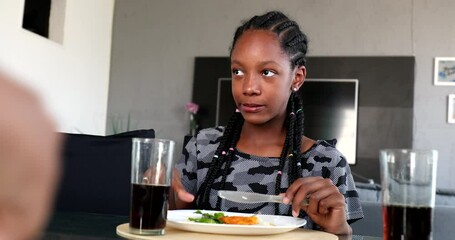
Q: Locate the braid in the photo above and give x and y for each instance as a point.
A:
(284, 25)
(203, 195)
(229, 157)
(269, 20)
(293, 41)
(299, 122)
(292, 145)
(204, 191)
(295, 172)
(283, 156)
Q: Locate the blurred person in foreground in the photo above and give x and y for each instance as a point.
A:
(29, 163)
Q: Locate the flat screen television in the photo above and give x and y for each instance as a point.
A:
(330, 107)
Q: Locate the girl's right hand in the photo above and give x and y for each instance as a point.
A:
(182, 198)
(327, 206)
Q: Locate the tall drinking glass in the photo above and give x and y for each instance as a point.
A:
(408, 180)
(151, 175)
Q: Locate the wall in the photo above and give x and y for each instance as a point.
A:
(57, 20)
(434, 36)
(72, 78)
(155, 42)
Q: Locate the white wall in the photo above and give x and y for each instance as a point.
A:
(155, 42)
(73, 77)
(57, 20)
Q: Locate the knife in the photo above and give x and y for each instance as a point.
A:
(248, 197)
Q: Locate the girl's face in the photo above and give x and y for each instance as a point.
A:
(262, 78)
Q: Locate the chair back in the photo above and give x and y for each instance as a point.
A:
(97, 172)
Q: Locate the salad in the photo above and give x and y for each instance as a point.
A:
(220, 218)
(208, 218)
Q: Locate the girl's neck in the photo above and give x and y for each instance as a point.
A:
(262, 140)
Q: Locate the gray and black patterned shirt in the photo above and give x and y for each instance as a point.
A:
(258, 174)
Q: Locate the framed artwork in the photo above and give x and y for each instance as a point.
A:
(444, 71)
(451, 109)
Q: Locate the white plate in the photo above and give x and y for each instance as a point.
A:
(269, 224)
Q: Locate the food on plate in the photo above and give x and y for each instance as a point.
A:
(220, 218)
(242, 220)
(208, 218)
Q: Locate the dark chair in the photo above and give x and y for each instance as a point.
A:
(97, 173)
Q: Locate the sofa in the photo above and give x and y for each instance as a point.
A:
(371, 224)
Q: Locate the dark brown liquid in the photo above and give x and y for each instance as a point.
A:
(148, 206)
(407, 223)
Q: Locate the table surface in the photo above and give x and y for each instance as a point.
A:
(89, 226)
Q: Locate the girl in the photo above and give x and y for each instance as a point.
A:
(263, 149)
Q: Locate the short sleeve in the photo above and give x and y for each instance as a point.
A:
(187, 166)
(342, 178)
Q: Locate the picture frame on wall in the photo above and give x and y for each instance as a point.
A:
(451, 109)
(444, 71)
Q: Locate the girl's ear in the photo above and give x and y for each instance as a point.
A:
(299, 77)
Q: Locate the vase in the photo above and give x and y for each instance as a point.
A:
(192, 132)
(193, 125)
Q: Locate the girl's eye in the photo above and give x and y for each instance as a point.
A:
(237, 72)
(268, 73)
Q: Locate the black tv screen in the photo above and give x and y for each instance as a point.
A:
(330, 108)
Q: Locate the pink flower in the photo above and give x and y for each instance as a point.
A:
(192, 107)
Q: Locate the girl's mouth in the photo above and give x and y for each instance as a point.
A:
(251, 107)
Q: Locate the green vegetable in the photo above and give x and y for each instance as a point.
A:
(208, 218)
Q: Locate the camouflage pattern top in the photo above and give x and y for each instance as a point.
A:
(258, 174)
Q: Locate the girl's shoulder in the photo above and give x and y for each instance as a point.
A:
(210, 133)
(208, 136)
(311, 145)
(324, 149)
(321, 146)
(204, 143)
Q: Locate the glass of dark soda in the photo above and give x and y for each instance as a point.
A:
(151, 174)
(408, 182)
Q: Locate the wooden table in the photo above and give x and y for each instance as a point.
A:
(90, 226)
(176, 234)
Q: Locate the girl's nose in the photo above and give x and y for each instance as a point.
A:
(251, 86)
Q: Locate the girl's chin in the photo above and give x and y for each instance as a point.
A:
(255, 120)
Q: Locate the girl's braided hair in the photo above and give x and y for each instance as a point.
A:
(294, 43)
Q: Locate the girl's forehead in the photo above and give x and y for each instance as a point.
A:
(258, 43)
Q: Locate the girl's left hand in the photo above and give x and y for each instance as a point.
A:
(326, 204)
